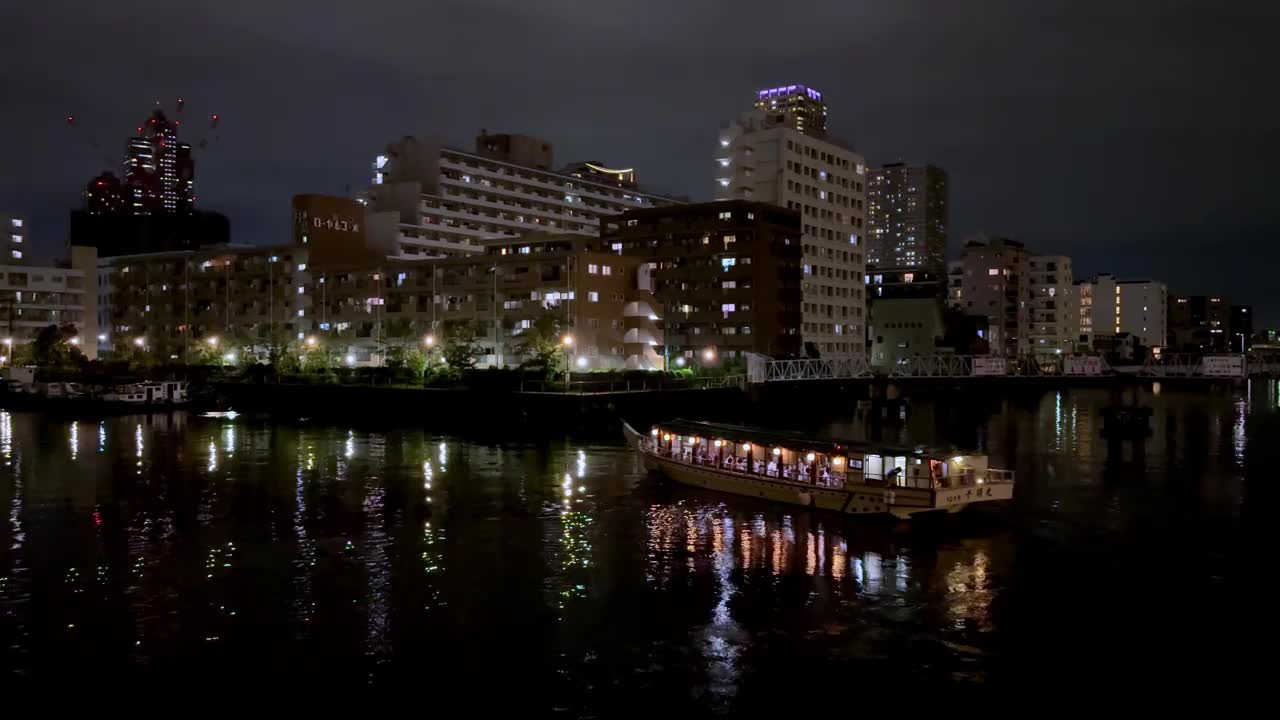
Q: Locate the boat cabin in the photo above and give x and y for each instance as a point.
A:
(798, 458)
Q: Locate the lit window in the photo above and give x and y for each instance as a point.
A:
(728, 308)
(17, 222)
(726, 263)
(302, 267)
(993, 271)
(726, 216)
(300, 313)
(301, 290)
(17, 254)
(606, 270)
(593, 269)
(729, 240)
(728, 284)
(593, 296)
(17, 238)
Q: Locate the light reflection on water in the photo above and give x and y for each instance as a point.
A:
(240, 546)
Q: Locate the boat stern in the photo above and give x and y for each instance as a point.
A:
(993, 485)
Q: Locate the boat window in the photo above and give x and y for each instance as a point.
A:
(874, 467)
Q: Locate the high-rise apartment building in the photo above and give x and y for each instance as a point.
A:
(13, 238)
(1134, 307)
(1053, 320)
(907, 217)
(779, 153)
(796, 105)
(452, 202)
(159, 172)
(726, 277)
(992, 279)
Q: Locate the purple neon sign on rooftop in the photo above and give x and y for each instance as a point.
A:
(788, 89)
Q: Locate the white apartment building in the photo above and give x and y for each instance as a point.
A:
(35, 297)
(453, 203)
(779, 153)
(1136, 307)
(1053, 321)
(13, 238)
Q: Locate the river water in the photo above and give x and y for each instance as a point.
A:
(552, 574)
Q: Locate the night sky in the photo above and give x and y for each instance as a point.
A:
(1138, 137)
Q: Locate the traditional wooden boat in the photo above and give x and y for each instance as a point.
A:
(846, 477)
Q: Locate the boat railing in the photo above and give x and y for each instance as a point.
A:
(737, 466)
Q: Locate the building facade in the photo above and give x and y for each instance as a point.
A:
(14, 239)
(451, 202)
(159, 172)
(906, 314)
(907, 217)
(800, 107)
(1053, 317)
(992, 279)
(175, 305)
(780, 154)
(34, 297)
(726, 277)
(104, 195)
(1200, 323)
(1137, 308)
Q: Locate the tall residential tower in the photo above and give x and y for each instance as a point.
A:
(159, 172)
(779, 153)
(907, 213)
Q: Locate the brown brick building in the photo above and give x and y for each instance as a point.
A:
(358, 305)
(726, 276)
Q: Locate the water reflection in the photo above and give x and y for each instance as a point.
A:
(239, 547)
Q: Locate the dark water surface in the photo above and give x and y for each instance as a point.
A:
(553, 574)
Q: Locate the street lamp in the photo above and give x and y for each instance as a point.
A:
(212, 340)
(429, 340)
(709, 355)
(680, 361)
(567, 340)
(139, 341)
(311, 341)
(75, 340)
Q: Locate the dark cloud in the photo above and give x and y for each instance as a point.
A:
(1139, 137)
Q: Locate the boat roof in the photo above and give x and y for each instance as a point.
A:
(798, 440)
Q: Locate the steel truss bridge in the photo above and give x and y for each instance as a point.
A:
(761, 368)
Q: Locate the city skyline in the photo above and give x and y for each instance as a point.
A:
(1038, 166)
